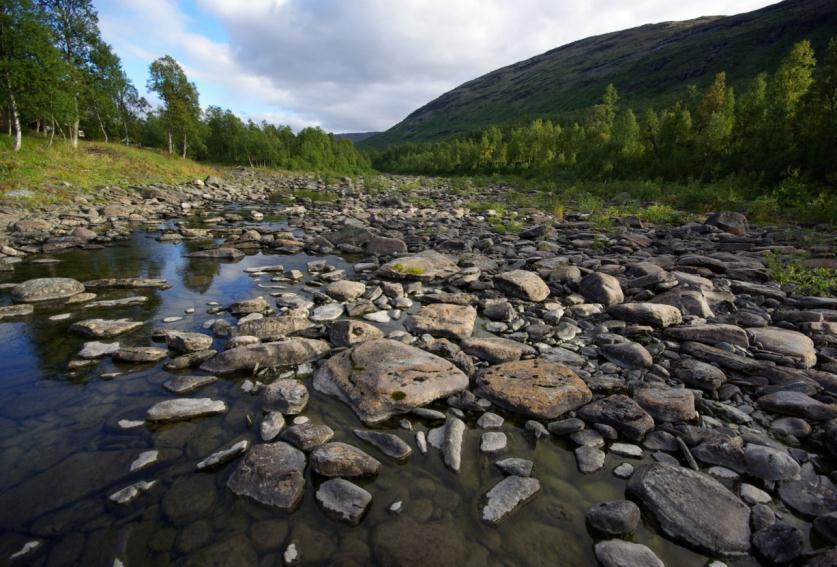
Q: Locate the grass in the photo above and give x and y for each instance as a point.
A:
(821, 282)
(57, 173)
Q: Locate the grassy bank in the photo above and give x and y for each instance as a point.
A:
(40, 174)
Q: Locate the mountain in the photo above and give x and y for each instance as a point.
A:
(649, 65)
(356, 137)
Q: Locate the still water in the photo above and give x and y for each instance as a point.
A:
(62, 452)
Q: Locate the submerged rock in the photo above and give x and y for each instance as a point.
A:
(620, 553)
(185, 408)
(382, 378)
(343, 460)
(344, 500)
(104, 328)
(389, 444)
(508, 495)
(267, 355)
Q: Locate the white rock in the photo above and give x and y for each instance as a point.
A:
(145, 458)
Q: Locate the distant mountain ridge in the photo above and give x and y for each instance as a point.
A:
(649, 65)
(356, 137)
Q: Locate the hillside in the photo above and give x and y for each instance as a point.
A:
(39, 174)
(649, 65)
(356, 137)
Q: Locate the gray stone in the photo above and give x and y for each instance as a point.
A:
(188, 384)
(426, 266)
(590, 459)
(615, 518)
(785, 342)
(627, 354)
(693, 508)
(390, 445)
(523, 285)
(349, 333)
(768, 463)
(271, 474)
(287, 396)
(272, 424)
(621, 413)
(103, 328)
(493, 441)
(443, 320)
(515, 466)
(654, 314)
(779, 543)
(506, 496)
(667, 405)
(223, 456)
(306, 436)
(185, 408)
(454, 432)
(46, 289)
(601, 288)
(343, 500)
(288, 352)
(619, 553)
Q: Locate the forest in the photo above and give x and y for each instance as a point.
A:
(781, 131)
(60, 79)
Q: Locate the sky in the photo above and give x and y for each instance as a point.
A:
(358, 65)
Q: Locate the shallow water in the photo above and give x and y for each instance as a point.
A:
(62, 453)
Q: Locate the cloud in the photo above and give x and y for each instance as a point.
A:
(365, 64)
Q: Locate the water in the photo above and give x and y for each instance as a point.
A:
(62, 452)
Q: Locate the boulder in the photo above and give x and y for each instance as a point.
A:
(46, 289)
(348, 333)
(601, 288)
(104, 328)
(337, 459)
(496, 350)
(654, 314)
(621, 413)
(670, 405)
(627, 354)
(287, 396)
(426, 266)
(537, 388)
(382, 378)
(693, 508)
(443, 320)
(620, 553)
(729, 221)
(271, 474)
(785, 342)
(343, 500)
(615, 518)
(522, 285)
(711, 334)
(271, 328)
(345, 290)
(508, 495)
(185, 408)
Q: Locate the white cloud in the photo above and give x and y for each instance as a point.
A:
(364, 64)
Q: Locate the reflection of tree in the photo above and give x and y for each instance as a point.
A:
(197, 273)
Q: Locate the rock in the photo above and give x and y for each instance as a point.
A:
(615, 518)
(810, 496)
(287, 396)
(621, 413)
(523, 285)
(382, 378)
(185, 408)
(97, 349)
(306, 436)
(454, 432)
(797, 404)
(340, 459)
(601, 288)
(327, 312)
(729, 221)
(349, 333)
(271, 426)
(693, 508)
(271, 474)
(626, 450)
(699, 374)
(508, 495)
(627, 354)
(688, 302)
(426, 266)
(188, 384)
(12, 311)
(345, 290)
(431, 543)
(103, 328)
(131, 492)
(46, 289)
(490, 420)
(768, 463)
(826, 525)
(223, 253)
(752, 495)
(492, 442)
(709, 334)
(383, 246)
(127, 283)
(255, 305)
(619, 553)
(589, 459)
(625, 470)
(783, 341)
(184, 342)
(344, 500)
(443, 320)
(496, 350)
(390, 445)
(779, 543)
(271, 328)
(144, 459)
(669, 405)
(140, 354)
(515, 466)
(537, 388)
(654, 314)
(223, 456)
(291, 351)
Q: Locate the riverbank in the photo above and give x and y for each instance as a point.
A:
(508, 394)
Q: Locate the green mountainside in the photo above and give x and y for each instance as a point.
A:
(649, 65)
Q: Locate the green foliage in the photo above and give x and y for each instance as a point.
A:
(398, 395)
(805, 281)
(782, 132)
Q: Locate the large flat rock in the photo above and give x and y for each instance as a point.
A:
(382, 378)
(185, 408)
(507, 495)
(537, 388)
(104, 328)
(786, 342)
(443, 320)
(693, 508)
(425, 266)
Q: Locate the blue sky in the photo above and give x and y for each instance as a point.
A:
(358, 65)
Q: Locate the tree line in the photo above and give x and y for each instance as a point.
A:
(58, 77)
(783, 125)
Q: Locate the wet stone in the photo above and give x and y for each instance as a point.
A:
(390, 445)
(619, 553)
(615, 518)
(287, 396)
(223, 456)
(338, 459)
(515, 466)
(344, 500)
(508, 495)
(185, 408)
(306, 436)
(271, 474)
(104, 329)
(187, 384)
